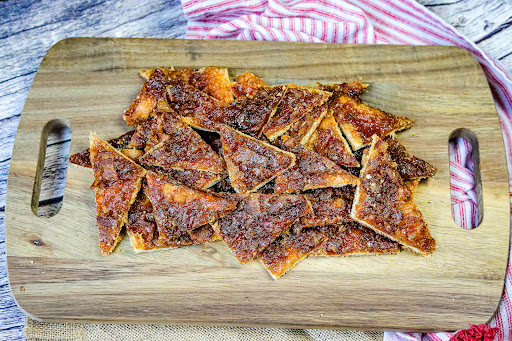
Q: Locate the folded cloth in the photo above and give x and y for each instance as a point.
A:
(368, 22)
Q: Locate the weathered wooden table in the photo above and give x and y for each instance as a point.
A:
(29, 28)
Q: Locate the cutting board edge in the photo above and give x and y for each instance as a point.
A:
(73, 39)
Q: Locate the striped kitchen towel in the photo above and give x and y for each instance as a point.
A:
(369, 22)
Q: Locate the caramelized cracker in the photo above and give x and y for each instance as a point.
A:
(328, 141)
(117, 181)
(354, 239)
(194, 178)
(310, 170)
(296, 103)
(258, 220)
(180, 147)
(144, 235)
(248, 114)
(247, 85)
(289, 249)
(303, 129)
(383, 202)
(122, 142)
(330, 206)
(187, 100)
(153, 130)
(359, 122)
(352, 89)
(152, 90)
(409, 166)
(179, 209)
(214, 81)
(252, 163)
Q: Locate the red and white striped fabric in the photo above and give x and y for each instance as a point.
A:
(368, 22)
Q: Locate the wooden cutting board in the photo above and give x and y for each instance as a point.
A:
(56, 270)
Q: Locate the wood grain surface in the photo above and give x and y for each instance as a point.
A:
(57, 273)
(29, 28)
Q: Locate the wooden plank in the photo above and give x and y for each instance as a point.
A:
(488, 23)
(56, 270)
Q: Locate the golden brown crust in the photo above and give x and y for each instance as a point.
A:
(354, 239)
(152, 90)
(179, 209)
(303, 129)
(289, 249)
(192, 178)
(187, 100)
(117, 181)
(248, 115)
(310, 170)
(133, 154)
(122, 142)
(383, 202)
(359, 122)
(212, 80)
(143, 231)
(246, 84)
(330, 206)
(215, 82)
(296, 103)
(252, 163)
(258, 220)
(184, 153)
(352, 89)
(328, 141)
(409, 166)
(177, 145)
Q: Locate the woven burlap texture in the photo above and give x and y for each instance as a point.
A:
(42, 331)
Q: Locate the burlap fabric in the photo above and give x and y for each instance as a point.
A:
(41, 331)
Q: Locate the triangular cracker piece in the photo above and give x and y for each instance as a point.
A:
(252, 163)
(352, 89)
(354, 239)
(409, 166)
(246, 85)
(179, 209)
(181, 147)
(328, 141)
(296, 103)
(310, 170)
(258, 220)
(152, 130)
(248, 115)
(359, 122)
(193, 178)
(330, 206)
(187, 100)
(183, 154)
(212, 80)
(121, 143)
(117, 180)
(289, 249)
(144, 234)
(383, 202)
(303, 129)
(152, 90)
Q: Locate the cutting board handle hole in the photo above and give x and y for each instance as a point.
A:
(465, 180)
(52, 168)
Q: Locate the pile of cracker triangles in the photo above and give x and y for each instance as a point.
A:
(277, 172)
